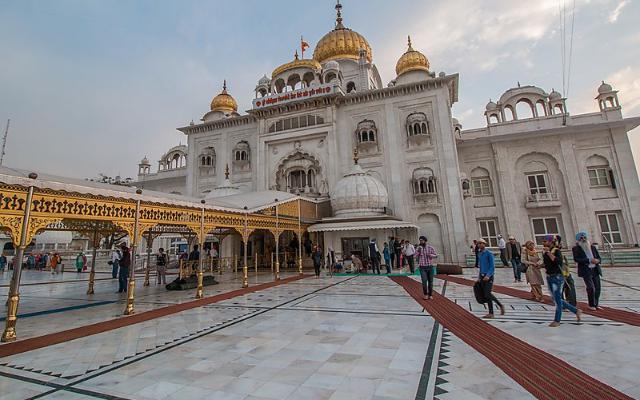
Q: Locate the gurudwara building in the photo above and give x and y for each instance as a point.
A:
(389, 159)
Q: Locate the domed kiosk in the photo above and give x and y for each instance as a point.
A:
(359, 203)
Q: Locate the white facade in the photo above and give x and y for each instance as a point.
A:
(532, 165)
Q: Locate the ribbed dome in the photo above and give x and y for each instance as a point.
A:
(224, 102)
(341, 43)
(296, 63)
(358, 194)
(264, 80)
(554, 95)
(491, 106)
(412, 60)
(145, 161)
(604, 88)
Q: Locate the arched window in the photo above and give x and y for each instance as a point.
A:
(366, 133)
(480, 183)
(493, 119)
(541, 109)
(424, 182)
(351, 87)
(417, 124)
(242, 156)
(508, 113)
(524, 109)
(558, 109)
(599, 172)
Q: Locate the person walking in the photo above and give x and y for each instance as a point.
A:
(392, 254)
(316, 255)
(532, 260)
(552, 258)
(502, 245)
(474, 248)
(161, 266)
(55, 261)
(409, 252)
(397, 252)
(116, 255)
(125, 264)
(194, 258)
(588, 259)
(569, 288)
(3, 262)
(486, 263)
(425, 254)
(387, 257)
(81, 261)
(374, 256)
(514, 255)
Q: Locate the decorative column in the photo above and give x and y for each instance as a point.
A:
(199, 290)
(277, 236)
(129, 309)
(9, 334)
(149, 248)
(299, 239)
(245, 239)
(92, 275)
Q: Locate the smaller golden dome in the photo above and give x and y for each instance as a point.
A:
(224, 102)
(296, 63)
(412, 60)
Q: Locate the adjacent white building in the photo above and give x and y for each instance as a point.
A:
(534, 169)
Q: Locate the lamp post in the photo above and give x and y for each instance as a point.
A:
(9, 334)
(277, 243)
(129, 309)
(299, 238)
(199, 291)
(245, 239)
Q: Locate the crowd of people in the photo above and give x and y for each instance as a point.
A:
(531, 262)
(37, 261)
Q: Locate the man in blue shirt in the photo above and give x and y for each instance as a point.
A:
(487, 268)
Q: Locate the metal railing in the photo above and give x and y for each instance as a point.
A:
(542, 197)
(608, 248)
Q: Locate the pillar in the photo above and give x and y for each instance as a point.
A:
(92, 274)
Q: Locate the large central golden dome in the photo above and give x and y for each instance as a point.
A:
(341, 43)
(224, 102)
(412, 60)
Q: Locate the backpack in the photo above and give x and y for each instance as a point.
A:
(479, 293)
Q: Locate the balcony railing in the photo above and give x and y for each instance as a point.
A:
(542, 199)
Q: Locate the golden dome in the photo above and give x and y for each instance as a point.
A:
(296, 63)
(341, 43)
(412, 60)
(224, 102)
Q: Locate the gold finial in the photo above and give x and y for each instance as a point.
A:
(296, 55)
(226, 171)
(355, 155)
(339, 15)
(409, 43)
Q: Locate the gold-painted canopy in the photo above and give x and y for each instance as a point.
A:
(296, 63)
(224, 101)
(412, 60)
(341, 43)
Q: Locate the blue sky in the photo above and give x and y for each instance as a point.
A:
(93, 86)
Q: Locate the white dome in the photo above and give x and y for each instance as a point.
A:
(145, 161)
(264, 80)
(604, 88)
(358, 194)
(554, 95)
(226, 189)
(333, 64)
(491, 106)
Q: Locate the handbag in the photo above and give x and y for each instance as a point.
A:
(479, 293)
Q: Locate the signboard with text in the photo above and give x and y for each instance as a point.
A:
(300, 94)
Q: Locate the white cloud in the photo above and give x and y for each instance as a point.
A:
(613, 17)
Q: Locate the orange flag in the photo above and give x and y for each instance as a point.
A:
(303, 45)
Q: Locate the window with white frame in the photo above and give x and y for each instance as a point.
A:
(537, 183)
(489, 231)
(598, 176)
(610, 227)
(481, 187)
(544, 226)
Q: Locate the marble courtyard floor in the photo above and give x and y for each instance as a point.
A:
(347, 337)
